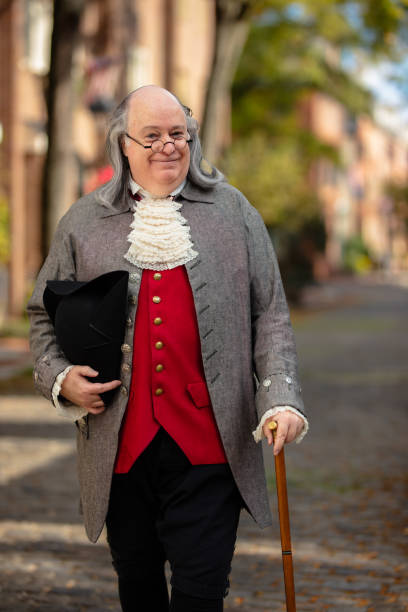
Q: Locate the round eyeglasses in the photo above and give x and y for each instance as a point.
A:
(157, 146)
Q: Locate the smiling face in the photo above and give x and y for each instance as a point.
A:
(154, 113)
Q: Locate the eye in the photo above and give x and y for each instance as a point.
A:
(177, 134)
(152, 136)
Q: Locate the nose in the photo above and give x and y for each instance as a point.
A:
(169, 147)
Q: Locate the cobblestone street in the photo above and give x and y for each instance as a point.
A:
(347, 480)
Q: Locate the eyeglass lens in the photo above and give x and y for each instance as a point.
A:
(179, 143)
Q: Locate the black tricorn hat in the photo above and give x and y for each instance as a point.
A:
(89, 319)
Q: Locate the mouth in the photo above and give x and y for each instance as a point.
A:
(167, 160)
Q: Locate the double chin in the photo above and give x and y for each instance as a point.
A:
(165, 182)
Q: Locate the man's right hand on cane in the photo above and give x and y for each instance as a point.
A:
(80, 391)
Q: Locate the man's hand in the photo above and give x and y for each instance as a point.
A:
(78, 390)
(290, 426)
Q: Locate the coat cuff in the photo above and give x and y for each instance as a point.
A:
(70, 411)
(279, 388)
(46, 370)
(258, 433)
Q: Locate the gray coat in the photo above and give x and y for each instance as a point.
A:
(242, 317)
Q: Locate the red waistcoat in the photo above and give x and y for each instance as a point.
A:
(168, 386)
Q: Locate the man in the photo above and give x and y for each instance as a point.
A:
(172, 461)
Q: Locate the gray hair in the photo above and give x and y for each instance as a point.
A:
(118, 184)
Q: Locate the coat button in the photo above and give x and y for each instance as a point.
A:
(159, 344)
(267, 382)
(159, 367)
(128, 321)
(288, 380)
(157, 276)
(133, 299)
(156, 299)
(123, 390)
(125, 348)
(125, 367)
(157, 321)
(159, 391)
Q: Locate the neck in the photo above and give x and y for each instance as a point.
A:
(156, 191)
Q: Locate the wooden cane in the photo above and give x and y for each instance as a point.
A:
(284, 525)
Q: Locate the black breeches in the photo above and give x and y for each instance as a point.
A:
(164, 508)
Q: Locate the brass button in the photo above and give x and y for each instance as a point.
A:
(156, 299)
(133, 299)
(159, 367)
(125, 348)
(129, 322)
(157, 321)
(159, 344)
(123, 390)
(159, 391)
(157, 276)
(125, 367)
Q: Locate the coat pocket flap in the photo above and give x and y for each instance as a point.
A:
(199, 394)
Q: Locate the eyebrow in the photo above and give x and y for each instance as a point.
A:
(156, 127)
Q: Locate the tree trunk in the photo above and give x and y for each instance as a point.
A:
(59, 189)
(232, 26)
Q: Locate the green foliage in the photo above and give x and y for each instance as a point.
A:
(287, 58)
(4, 231)
(384, 21)
(357, 257)
(373, 25)
(273, 177)
(297, 47)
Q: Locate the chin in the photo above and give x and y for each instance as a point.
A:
(168, 175)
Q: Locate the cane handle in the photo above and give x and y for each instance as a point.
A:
(273, 426)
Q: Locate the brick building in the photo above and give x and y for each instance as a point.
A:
(23, 139)
(353, 194)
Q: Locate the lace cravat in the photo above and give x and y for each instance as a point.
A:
(159, 237)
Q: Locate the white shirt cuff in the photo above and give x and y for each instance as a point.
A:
(72, 412)
(258, 433)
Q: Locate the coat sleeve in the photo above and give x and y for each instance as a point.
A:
(49, 360)
(274, 350)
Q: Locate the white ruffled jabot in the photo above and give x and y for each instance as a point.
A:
(160, 236)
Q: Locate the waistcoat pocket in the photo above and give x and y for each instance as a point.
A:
(199, 394)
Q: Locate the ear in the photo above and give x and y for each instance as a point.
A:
(123, 145)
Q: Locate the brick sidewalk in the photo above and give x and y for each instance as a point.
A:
(347, 483)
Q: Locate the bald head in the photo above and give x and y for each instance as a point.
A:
(148, 93)
(150, 100)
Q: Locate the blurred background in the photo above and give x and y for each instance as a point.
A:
(303, 105)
